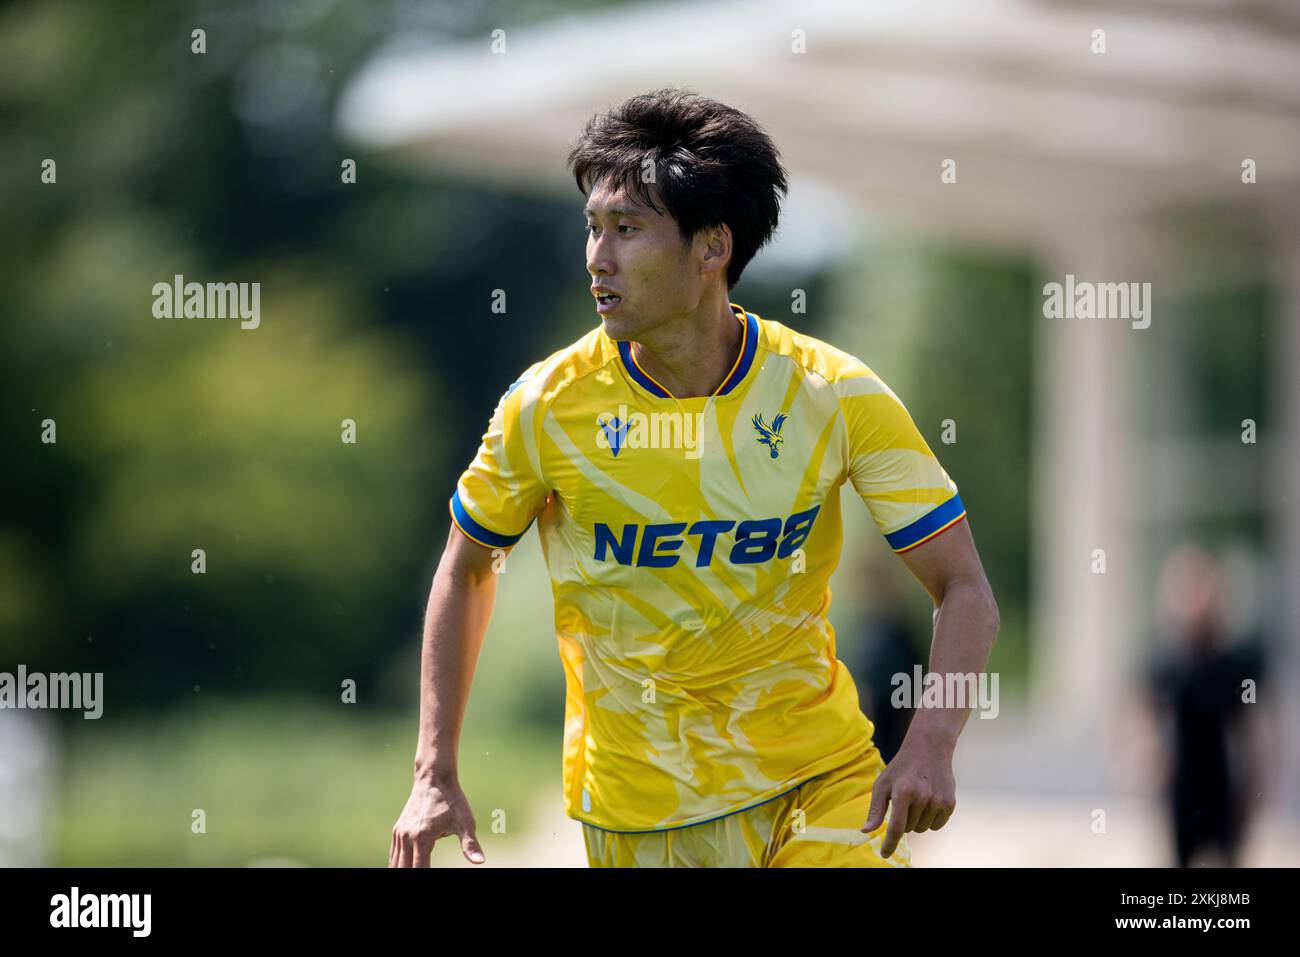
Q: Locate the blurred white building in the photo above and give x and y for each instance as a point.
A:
(27, 754)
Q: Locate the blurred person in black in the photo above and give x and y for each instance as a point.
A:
(1204, 688)
(890, 645)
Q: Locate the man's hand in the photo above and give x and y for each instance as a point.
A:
(920, 784)
(433, 811)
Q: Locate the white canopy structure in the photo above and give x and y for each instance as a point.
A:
(1046, 132)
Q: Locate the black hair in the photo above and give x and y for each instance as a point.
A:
(711, 163)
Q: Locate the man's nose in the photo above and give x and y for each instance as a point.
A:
(598, 261)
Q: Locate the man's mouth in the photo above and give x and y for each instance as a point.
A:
(607, 302)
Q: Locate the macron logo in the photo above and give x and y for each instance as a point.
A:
(102, 910)
(615, 433)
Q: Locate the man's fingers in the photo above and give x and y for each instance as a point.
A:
(422, 847)
(926, 820)
(409, 850)
(935, 815)
(941, 818)
(879, 801)
(897, 824)
(469, 846)
(914, 814)
(403, 850)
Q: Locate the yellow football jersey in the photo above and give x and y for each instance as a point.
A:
(690, 543)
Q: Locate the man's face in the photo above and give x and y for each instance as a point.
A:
(638, 254)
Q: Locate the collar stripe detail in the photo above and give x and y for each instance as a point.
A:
(635, 371)
(748, 347)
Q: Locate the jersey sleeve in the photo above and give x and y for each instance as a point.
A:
(910, 496)
(501, 493)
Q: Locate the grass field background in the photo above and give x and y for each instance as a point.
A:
(279, 783)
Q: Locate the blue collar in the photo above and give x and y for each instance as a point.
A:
(748, 346)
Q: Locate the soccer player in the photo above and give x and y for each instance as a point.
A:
(683, 463)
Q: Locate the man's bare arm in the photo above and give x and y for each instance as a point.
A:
(966, 619)
(919, 780)
(456, 619)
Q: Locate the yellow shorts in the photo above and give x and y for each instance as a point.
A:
(816, 824)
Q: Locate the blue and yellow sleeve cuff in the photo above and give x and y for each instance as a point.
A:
(479, 533)
(932, 523)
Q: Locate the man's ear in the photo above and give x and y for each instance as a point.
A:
(717, 247)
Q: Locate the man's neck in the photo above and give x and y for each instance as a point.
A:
(692, 357)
